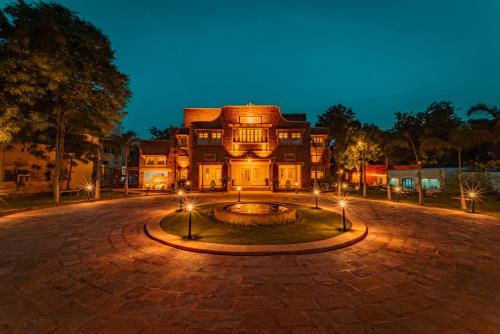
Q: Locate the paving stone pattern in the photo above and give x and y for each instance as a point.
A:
(89, 268)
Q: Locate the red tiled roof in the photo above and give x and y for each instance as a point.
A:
(405, 167)
(155, 147)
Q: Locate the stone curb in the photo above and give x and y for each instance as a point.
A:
(357, 233)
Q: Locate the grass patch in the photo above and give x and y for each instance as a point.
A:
(11, 203)
(312, 225)
(488, 204)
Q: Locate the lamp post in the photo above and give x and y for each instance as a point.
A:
(343, 204)
(316, 194)
(344, 188)
(473, 196)
(189, 208)
(397, 189)
(188, 183)
(180, 193)
(296, 187)
(239, 193)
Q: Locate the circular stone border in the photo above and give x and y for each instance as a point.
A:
(243, 218)
(358, 232)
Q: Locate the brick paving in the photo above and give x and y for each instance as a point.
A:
(89, 268)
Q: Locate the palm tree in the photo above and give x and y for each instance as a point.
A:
(492, 111)
(409, 139)
(462, 138)
(125, 140)
(388, 148)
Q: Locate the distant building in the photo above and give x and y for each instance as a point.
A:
(29, 169)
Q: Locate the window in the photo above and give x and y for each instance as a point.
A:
(283, 137)
(289, 156)
(183, 141)
(161, 161)
(210, 157)
(408, 183)
(248, 135)
(318, 141)
(9, 175)
(183, 175)
(316, 158)
(317, 173)
(202, 138)
(150, 161)
(296, 138)
(108, 149)
(430, 183)
(216, 137)
(393, 181)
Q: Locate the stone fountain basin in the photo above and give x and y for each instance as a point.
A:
(255, 213)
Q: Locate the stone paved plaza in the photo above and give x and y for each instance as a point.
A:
(90, 268)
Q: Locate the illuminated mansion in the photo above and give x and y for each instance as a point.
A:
(255, 147)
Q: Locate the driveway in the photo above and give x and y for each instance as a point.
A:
(90, 268)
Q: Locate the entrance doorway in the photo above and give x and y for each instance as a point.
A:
(250, 174)
(245, 177)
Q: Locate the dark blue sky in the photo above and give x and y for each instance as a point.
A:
(376, 56)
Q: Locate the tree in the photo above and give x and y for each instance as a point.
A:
(125, 140)
(343, 128)
(359, 153)
(58, 72)
(462, 138)
(491, 124)
(160, 134)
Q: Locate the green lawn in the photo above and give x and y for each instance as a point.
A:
(11, 203)
(489, 205)
(312, 225)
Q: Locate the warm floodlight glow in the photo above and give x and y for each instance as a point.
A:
(188, 183)
(474, 194)
(180, 193)
(89, 188)
(316, 192)
(189, 207)
(344, 185)
(238, 188)
(342, 203)
(397, 189)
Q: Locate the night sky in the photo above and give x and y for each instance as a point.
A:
(378, 57)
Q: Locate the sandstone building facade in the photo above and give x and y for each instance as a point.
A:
(255, 147)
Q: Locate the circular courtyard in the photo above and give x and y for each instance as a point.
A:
(91, 268)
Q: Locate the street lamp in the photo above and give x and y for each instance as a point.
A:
(296, 187)
(397, 190)
(188, 183)
(472, 195)
(316, 195)
(189, 208)
(239, 193)
(344, 187)
(343, 205)
(180, 193)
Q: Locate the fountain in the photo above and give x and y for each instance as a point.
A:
(255, 213)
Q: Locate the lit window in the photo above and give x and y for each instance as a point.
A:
(184, 174)
(250, 135)
(216, 137)
(150, 161)
(183, 141)
(316, 158)
(318, 141)
(283, 137)
(203, 138)
(296, 138)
